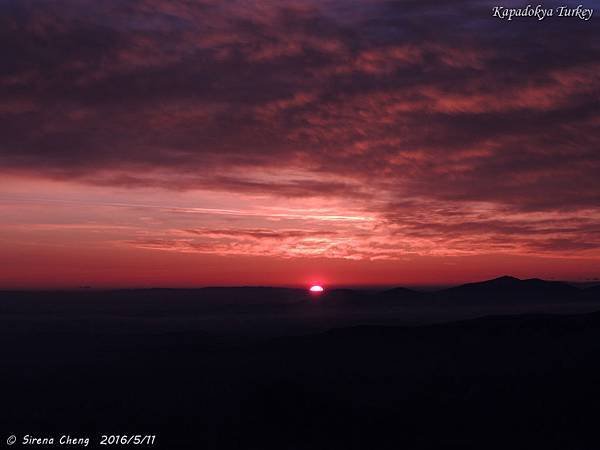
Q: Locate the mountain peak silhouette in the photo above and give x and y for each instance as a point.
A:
(508, 289)
(507, 278)
(504, 280)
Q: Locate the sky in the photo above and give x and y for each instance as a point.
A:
(238, 142)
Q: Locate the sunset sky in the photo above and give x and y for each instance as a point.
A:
(291, 142)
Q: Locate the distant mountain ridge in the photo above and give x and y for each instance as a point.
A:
(509, 289)
(504, 290)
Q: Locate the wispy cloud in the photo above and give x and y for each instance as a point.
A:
(361, 130)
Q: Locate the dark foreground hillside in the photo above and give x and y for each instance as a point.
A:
(520, 381)
(507, 382)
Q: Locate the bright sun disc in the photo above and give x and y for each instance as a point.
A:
(316, 289)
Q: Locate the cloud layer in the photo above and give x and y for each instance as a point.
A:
(452, 131)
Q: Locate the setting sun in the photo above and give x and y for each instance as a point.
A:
(316, 288)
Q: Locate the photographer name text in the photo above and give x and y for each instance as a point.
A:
(67, 440)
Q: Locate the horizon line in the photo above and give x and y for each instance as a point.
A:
(431, 286)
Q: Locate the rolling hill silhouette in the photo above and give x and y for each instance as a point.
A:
(523, 382)
(498, 292)
(511, 290)
(505, 290)
(271, 368)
